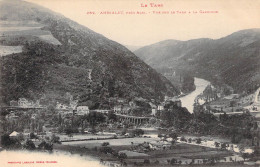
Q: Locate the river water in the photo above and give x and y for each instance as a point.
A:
(188, 100)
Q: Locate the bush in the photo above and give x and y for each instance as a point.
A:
(45, 146)
(122, 156)
(106, 150)
(137, 132)
(8, 142)
(70, 130)
(198, 140)
(146, 161)
(160, 135)
(183, 139)
(55, 139)
(29, 145)
(173, 161)
(33, 136)
(105, 144)
(94, 149)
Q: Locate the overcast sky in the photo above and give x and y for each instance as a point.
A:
(140, 30)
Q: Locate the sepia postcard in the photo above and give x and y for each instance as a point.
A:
(96, 83)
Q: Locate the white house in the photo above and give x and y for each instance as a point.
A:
(117, 108)
(61, 106)
(82, 110)
(154, 111)
(22, 102)
(14, 134)
(160, 107)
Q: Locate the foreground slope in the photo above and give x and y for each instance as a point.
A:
(60, 56)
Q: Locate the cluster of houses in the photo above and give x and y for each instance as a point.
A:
(121, 107)
(67, 111)
(24, 103)
(124, 108)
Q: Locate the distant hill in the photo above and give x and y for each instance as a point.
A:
(132, 47)
(59, 56)
(233, 60)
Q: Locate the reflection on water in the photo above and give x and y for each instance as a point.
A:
(55, 159)
(188, 100)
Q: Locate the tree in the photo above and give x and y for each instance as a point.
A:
(46, 146)
(173, 161)
(95, 118)
(233, 103)
(105, 144)
(174, 136)
(20, 137)
(183, 139)
(29, 145)
(216, 144)
(69, 131)
(137, 132)
(112, 116)
(198, 140)
(33, 136)
(156, 162)
(122, 156)
(106, 150)
(245, 156)
(146, 161)
(51, 109)
(223, 146)
(55, 139)
(124, 130)
(8, 142)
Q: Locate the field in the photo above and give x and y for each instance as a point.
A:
(112, 142)
(14, 28)
(183, 153)
(6, 50)
(80, 137)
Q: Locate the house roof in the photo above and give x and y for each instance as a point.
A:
(14, 133)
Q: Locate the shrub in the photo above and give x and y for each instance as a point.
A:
(122, 156)
(105, 144)
(183, 139)
(29, 145)
(106, 150)
(55, 139)
(45, 146)
(173, 161)
(146, 161)
(198, 140)
(33, 136)
(8, 142)
(137, 132)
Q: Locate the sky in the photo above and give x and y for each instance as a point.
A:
(144, 29)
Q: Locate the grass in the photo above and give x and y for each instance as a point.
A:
(112, 142)
(182, 151)
(6, 50)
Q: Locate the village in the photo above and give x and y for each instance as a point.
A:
(125, 134)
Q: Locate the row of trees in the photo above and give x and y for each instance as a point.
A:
(15, 143)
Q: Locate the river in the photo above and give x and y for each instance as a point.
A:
(188, 100)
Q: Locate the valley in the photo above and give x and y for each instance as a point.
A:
(69, 95)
